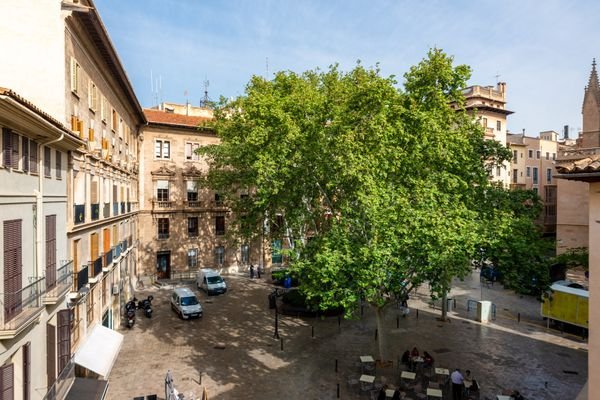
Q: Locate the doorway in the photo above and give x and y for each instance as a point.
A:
(163, 265)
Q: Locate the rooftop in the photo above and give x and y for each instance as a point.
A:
(170, 118)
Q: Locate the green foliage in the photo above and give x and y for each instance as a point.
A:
(378, 189)
(577, 257)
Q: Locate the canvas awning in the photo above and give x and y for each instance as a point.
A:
(99, 351)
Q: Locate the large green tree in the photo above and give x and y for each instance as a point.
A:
(376, 189)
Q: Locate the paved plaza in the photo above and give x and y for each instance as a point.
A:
(515, 351)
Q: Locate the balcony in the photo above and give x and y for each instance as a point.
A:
(95, 270)
(115, 209)
(21, 308)
(106, 210)
(163, 235)
(124, 245)
(79, 214)
(64, 277)
(108, 259)
(123, 207)
(157, 204)
(193, 204)
(80, 279)
(95, 211)
(117, 251)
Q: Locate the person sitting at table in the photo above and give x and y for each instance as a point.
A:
(516, 395)
(396, 395)
(470, 383)
(427, 360)
(381, 395)
(414, 353)
(406, 358)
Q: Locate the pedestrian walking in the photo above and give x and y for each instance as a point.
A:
(258, 271)
(458, 386)
(251, 271)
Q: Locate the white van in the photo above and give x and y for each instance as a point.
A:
(210, 281)
(185, 303)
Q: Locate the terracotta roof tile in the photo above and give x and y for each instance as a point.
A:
(163, 117)
(582, 165)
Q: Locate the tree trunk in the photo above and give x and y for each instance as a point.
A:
(444, 306)
(381, 337)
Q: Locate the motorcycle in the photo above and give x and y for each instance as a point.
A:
(130, 312)
(146, 305)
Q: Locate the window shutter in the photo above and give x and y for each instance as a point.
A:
(50, 354)
(25, 155)
(7, 146)
(58, 164)
(27, 371)
(80, 128)
(47, 161)
(94, 192)
(94, 245)
(50, 251)
(15, 150)
(74, 75)
(33, 157)
(12, 269)
(64, 339)
(7, 382)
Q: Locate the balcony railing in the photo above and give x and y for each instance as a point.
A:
(64, 276)
(21, 308)
(80, 279)
(106, 210)
(162, 204)
(117, 250)
(163, 235)
(123, 207)
(193, 204)
(79, 214)
(60, 387)
(108, 258)
(124, 245)
(115, 209)
(95, 211)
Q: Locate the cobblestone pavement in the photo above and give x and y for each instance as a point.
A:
(504, 354)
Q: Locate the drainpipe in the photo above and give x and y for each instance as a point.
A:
(39, 202)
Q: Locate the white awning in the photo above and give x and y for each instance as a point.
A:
(99, 351)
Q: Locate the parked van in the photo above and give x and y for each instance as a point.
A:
(567, 302)
(210, 281)
(185, 303)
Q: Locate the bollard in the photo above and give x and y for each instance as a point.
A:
(519, 317)
(281, 344)
(417, 313)
(361, 310)
(336, 365)
(454, 303)
(397, 321)
(312, 331)
(375, 333)
(339, 323)
(338, 391)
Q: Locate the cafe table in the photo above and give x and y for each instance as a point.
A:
(389, 392)
(408, 375)
(503, 397)
(366, 359)
(431, 392)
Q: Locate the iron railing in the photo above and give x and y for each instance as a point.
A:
(60, 387)
(108, 258)
(117, 250)
(20, 304)
(80, 278)
(96, 267)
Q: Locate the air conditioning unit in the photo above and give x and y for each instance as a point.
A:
(115, 289)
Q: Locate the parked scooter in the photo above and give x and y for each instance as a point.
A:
(130, 312)
(146, 305)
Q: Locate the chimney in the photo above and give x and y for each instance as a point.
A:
(502, 87)
(523, 132)
(566, 131)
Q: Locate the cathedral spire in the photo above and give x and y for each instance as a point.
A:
(593, 83)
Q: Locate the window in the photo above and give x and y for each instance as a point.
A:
(163, 228)
(218, 200)
(193, 226)
(10, 149)
(547, 155)
(192, 192)
(498, 125)
(25, 154)
(276, 256)
(484, 122)
(33, 157)
(219, 255)
(192, 258)
(47, 162)
(7, 377)
(538, 154)
(515, 175)
(553, 156)
(549, 175)
(220, 225)
(13, 265)
(103, 108)
(93, 97)
(498, 171)
(50, 251)
(535, 190)
(114, 120)
(530, 153)
(535, 175)
(528, 172)
(162, 190)
(190, 151)
(521, 154)
(75, 76)
(245, 252)
(515, 154)
(162, 149)
(58, 165)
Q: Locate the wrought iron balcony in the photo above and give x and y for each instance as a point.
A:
(95, 211)
(64, 277)
(106, 210)
(117, 251)
(108, 259)
(124, 245)
(21, 308)
(79, 214)
(95, 270)
(80, 279)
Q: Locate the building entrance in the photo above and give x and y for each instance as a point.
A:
(163, 265)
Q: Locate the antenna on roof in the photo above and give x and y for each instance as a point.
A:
(205, 102)
(497, 77)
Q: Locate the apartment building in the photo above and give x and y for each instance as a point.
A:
(36, 267)
(488, 105)
(183, 226)
(58, 56)
(532, 167)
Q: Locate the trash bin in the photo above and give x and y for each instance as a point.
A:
(483, 311)
(287, 282)
(272, 301)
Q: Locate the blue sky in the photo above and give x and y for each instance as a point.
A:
(542, 49)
